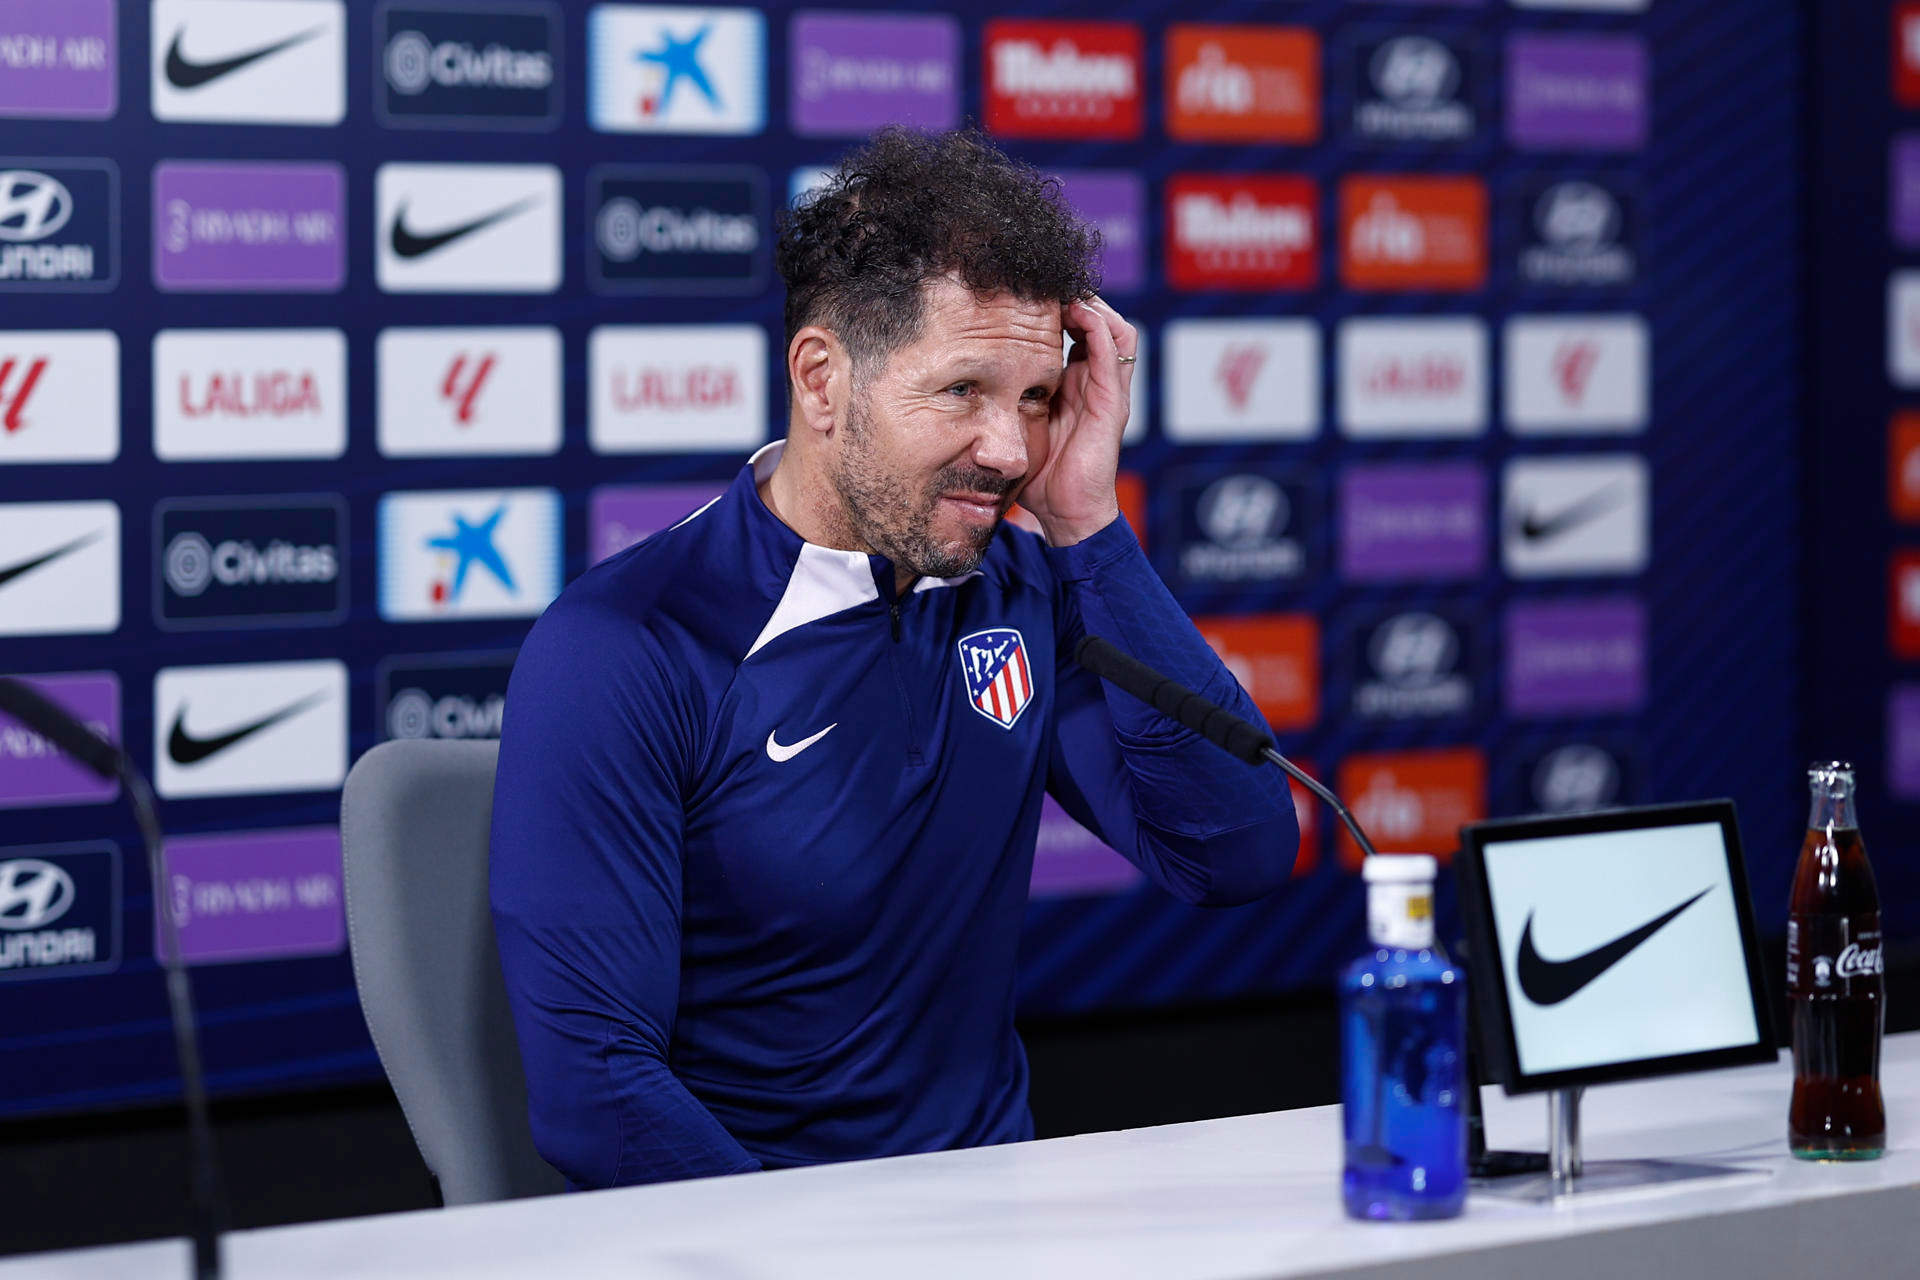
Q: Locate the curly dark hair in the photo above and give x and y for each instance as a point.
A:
(910, 207)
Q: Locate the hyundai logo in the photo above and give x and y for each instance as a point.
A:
(33, 893)
(1414, 71)
(1413, 649)
(1243, 510)
(1577, 216)
(32, 205)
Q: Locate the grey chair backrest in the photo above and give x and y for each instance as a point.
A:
(414, 819)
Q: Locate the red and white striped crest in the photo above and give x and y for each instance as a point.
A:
(999, 679)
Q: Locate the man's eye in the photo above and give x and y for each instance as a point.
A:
(960, 388)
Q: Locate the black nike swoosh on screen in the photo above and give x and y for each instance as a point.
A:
(184, 748)
(1534, 526)
(1550, 981)
(13, 571)
(182, 74)
(410, 244)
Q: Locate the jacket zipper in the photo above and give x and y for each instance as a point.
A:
(914, 756)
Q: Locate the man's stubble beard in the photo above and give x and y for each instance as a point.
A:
(897, 522)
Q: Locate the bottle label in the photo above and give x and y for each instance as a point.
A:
(1400, 915)
(1834, 955)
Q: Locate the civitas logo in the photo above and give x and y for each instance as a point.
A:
(1417, 660)
(192, 564)
(1578, 231)
(1417, 86)
(626, 229)
(33, 894)
(415, 64)
(415, 714)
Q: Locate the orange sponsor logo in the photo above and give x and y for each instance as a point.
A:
(1306, 809)
(1243, 83)
(1413, 801)
(1276, 659)
(1131, 489)
(1903, 467)
(1413, 232)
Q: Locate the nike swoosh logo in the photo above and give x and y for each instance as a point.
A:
(411, 244)
(780, 755)
(184, 748)
(13, 571)
(1551, 981)
(1535, 527)
(182, 74)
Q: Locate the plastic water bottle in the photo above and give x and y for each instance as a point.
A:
(1403, 1017)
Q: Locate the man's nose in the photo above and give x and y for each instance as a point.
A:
(1001, 445)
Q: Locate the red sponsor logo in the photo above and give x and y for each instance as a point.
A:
(1903, 467)
(16, 390)
(264, 393)
(461, 387)
(1064, 79)
(1906, 54)
(1413, 801)
(1241, 231)
(1413, 232)
(1904, 612)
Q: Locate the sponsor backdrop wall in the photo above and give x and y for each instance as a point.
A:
(338, 337)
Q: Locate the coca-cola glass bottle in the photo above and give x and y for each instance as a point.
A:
(1835, 982)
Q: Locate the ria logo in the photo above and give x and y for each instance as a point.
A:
(33, 894)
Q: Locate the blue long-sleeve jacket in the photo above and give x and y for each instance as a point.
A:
(762, 834)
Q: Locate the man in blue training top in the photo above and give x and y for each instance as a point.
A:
(770, 780)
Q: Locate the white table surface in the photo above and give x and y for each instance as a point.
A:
(1251, 1196)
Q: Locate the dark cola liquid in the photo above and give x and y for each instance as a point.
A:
(1836, 984)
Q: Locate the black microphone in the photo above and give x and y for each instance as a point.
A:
(1216, 724)
(64, 730)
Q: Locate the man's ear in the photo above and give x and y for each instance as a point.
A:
(820, 374)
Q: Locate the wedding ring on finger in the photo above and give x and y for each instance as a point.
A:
(1126, 359)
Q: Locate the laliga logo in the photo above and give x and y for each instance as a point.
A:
(33, 893)
(32, 205)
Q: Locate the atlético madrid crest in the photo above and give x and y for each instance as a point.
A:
(999, 678)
